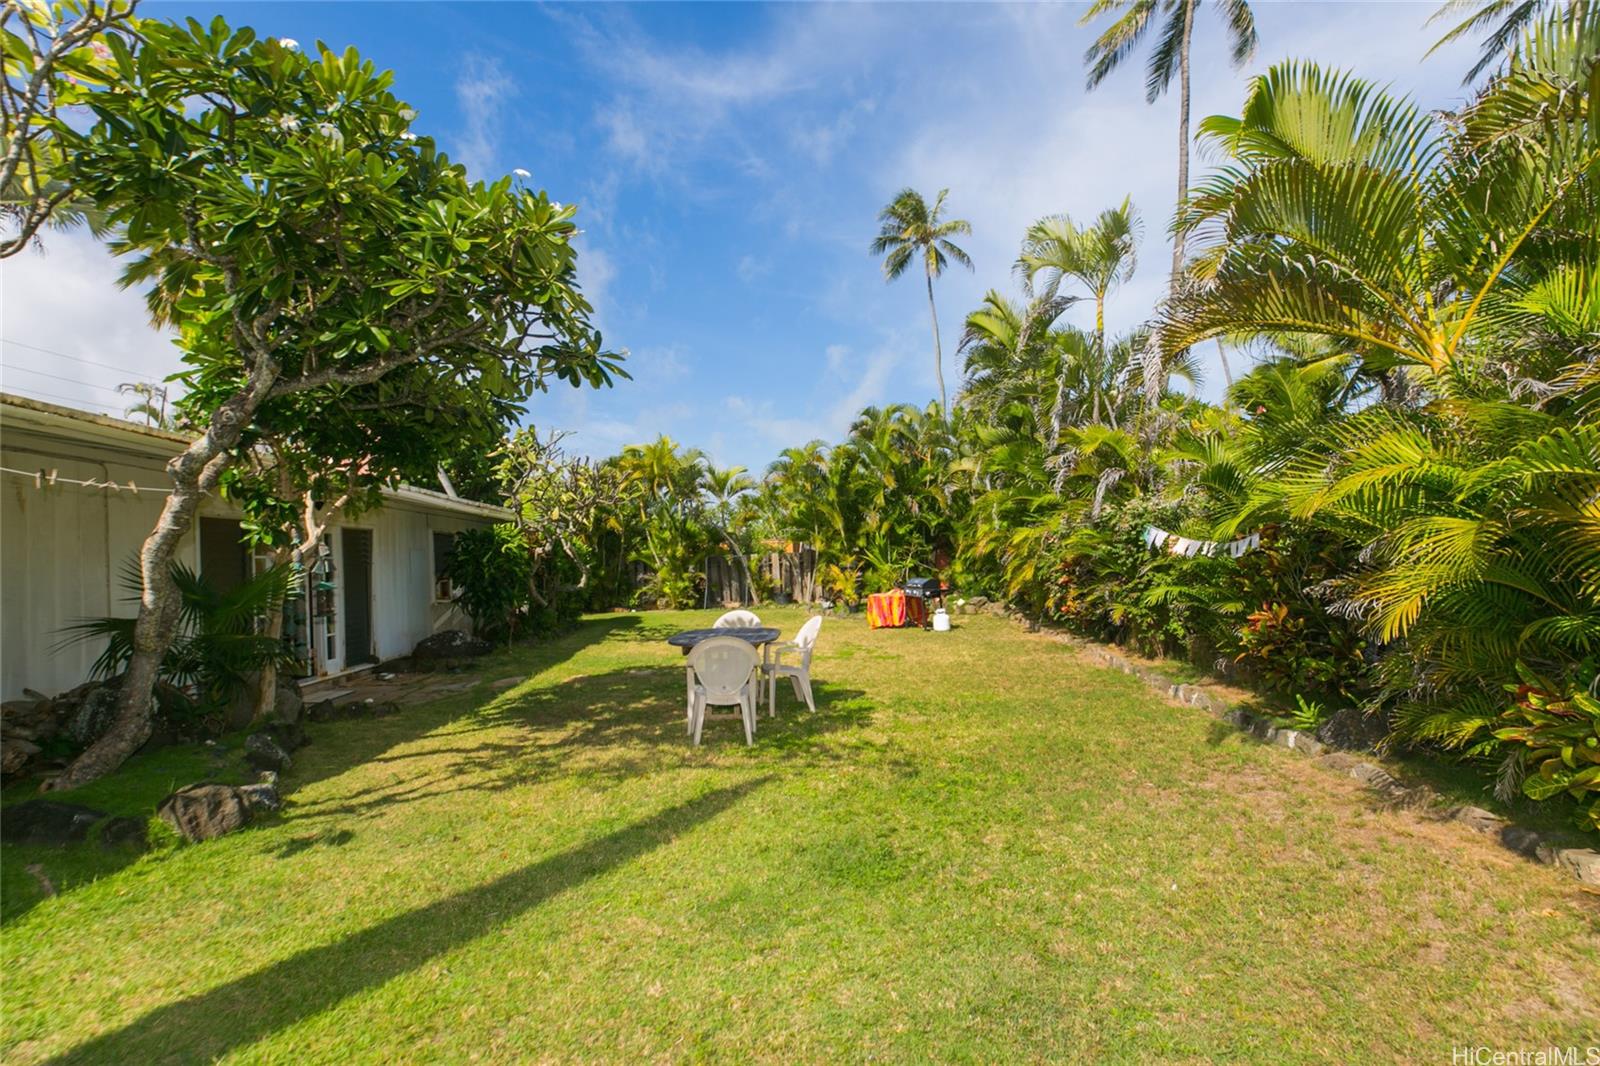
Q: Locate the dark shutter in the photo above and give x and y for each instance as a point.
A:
(357, 596)
(224, 560)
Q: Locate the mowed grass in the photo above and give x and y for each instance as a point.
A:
(980, 848)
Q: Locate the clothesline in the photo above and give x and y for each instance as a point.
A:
(1158, 538)
(46, 478)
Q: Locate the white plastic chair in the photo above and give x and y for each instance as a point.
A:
(805, 642)
(736, 620)
(726, 673)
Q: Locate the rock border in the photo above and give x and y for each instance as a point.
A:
(1581, 864)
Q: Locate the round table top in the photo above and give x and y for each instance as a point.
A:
(752, 634)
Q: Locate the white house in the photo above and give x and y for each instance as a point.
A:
(64, 546)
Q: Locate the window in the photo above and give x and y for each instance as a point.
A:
(443, 589)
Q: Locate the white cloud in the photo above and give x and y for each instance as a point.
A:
(671, 100)
(821, 141)
(752, 267)
(481, 92)
(70, 335)
(1034, 143)
(836, 354)
(625, 136)
(844, 386)
(596, 271)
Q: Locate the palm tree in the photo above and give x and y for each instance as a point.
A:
(1100, 257)
(1354, 216)
(151, 405)
(1456, 254)
(1505, 20)
(911, 228)
(1170, 56)
(722, 487)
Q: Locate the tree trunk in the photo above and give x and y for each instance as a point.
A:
(194, 473)
(1183, 140)
(938, 352)
(154, 629)
(1099, 348)
(1153, 375)
(267, 676)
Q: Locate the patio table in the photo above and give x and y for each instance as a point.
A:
(760, 636)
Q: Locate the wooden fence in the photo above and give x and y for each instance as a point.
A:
(792, 576)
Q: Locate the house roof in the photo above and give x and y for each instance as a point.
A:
(133, 438)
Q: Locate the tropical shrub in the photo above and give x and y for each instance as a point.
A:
(1555, 739)
(220, 642)
(491, 570)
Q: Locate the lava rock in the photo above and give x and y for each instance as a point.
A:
(51, 822)
(124, 832)
(1478, 819)
(290, 736)
(94, 713)
(1350, 729)
(322, 711)
(176, 719)
(447, 646)
(32, 718)
(288, 706)
(15, 753)
(263, 796)
(264, 752)
(205, 811)
(1521, 840)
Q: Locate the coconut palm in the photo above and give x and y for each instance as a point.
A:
(1100, 257)
(1505, 23)
(911, 228)
(1169, 57)
(151, 404)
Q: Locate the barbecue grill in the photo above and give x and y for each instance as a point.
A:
(925, 589)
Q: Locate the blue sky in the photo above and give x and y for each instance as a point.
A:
(730, 160)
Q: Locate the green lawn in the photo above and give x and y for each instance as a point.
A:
(980, 848)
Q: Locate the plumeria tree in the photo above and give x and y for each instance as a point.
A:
(55, 56)
(563, 503)
(318, 259)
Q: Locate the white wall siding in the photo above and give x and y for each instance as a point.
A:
(62, 554)
(63, 548)
(402, 577)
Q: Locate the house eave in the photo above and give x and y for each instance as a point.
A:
(24, 413)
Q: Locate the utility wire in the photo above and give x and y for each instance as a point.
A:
(64, 355)
(41, 394)
(70, 381)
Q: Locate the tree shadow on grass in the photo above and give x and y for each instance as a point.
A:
(335, 748)
(368, 740)
(207, 1026)
(603, 729)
